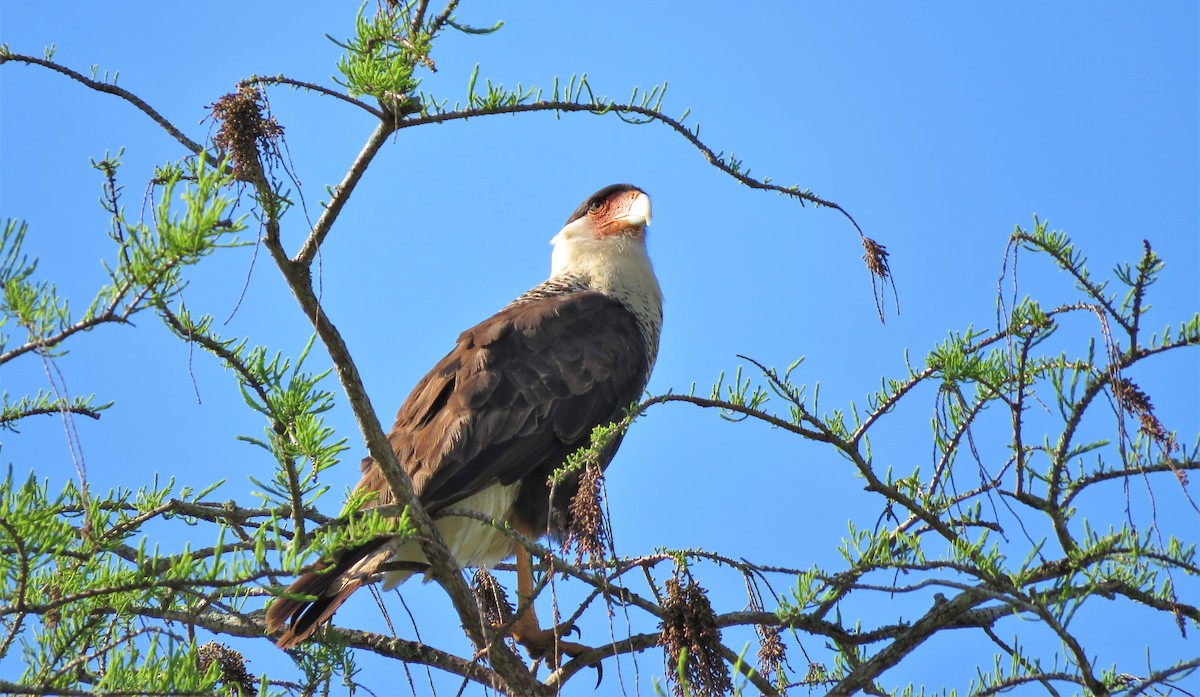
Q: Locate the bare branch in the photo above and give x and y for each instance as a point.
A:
(614, 107)
(312, 87)
(112, 89)
(341, 194)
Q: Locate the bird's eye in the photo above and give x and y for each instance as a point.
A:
(595, 206)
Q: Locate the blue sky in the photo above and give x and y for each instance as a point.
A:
(939, 127)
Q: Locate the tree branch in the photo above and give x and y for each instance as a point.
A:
(614, 107)
(312, 87)
(341, 194)
(112, 89)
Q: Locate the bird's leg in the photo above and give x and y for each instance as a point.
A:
(540, 643)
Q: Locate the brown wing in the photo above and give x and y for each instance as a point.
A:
(518, 393)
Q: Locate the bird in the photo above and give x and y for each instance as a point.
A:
(487, 426)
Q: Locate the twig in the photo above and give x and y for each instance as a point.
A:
(108, 88)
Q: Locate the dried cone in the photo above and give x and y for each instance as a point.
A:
(689, 624)
(771, 652)
(1134, 400)
(492, 599)
(233, 667)
(876, 256)
(587, 530)
(243, 129)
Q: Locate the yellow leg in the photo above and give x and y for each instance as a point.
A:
(527, 621)
(540, 643)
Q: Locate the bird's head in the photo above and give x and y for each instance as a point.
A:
(609, 225)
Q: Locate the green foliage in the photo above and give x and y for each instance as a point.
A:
(942, 528)
(381, 57)
(738, 394)
(577, 90)
(69, 562)
(601, 438)
(34, 306)
(93, 604)
(167, 667)
(192, 220)
(81, 563)
(357, 528)
(45, 403)
(291, 400)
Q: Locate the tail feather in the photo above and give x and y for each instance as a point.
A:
(315, 595)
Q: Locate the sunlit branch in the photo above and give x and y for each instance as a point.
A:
(109, 88)
(311, 87)
(614, 107)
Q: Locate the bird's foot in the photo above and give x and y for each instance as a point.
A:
(548, 644)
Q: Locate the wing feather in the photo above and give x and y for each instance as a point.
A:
(519, 392)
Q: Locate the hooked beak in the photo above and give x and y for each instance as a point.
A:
(638, 214)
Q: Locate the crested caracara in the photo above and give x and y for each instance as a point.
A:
(492, 420)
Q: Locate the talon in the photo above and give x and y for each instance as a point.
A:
(542, 643)
(599, 675)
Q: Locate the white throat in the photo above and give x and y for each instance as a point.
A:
(617, 266)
